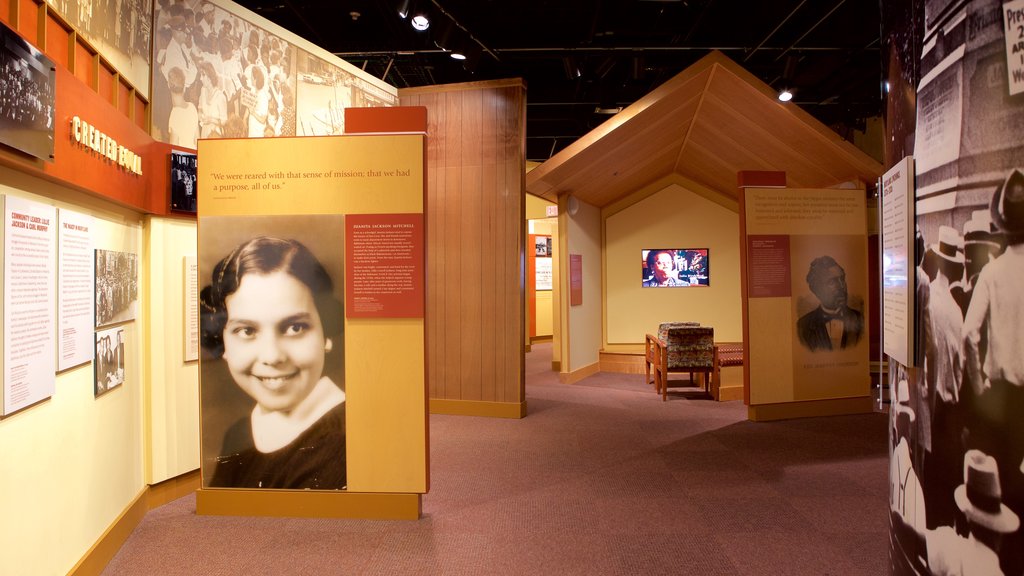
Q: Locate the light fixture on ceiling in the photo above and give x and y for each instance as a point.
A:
(608, 110)
(420, 21)
(785, 95)
(404, 7)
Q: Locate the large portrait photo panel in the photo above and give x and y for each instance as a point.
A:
(272, 337)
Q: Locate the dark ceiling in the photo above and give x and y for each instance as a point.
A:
(580, 55)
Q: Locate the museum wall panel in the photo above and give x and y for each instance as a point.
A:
(475, 242)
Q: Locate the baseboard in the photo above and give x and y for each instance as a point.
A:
(104, 550)
(577, 375)
(309, 504)
(729, 393)
(810, 409)
(478, 408)
(622, 362)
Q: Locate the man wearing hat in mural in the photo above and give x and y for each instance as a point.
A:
(989, 521)
(981, 245)
(993, 340)
(905, 496)
(942, 374)
(833, 325)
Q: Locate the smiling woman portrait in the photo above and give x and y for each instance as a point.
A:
(271, 320)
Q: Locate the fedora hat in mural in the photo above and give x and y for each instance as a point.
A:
(1007, 207)
(980, 497)
(948, 247)
(980, 229)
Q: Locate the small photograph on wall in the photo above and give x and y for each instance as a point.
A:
(674, 267)
(108, 365)
(542, 246)
(117, 287)
(27, 102)
(272, 364)
(183, 182)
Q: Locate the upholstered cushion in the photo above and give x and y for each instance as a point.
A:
(664, 327)
(730, 354)
(689, 347)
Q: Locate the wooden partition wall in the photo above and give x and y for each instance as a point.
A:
(476, 205)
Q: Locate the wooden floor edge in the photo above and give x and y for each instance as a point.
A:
(107, 546)
(483, 408)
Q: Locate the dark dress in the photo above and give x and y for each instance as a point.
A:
(314, 460)
(811, 328)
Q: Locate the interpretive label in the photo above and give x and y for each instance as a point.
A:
(29, 304)
(191, 308)
(768, 266)
(897, 261)
(384, 268)
(74, 289)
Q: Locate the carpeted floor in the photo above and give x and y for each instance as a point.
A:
(601, 477)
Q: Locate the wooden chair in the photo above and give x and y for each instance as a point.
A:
(684, 348)
(652, 348)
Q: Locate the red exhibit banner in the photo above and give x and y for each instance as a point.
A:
(384, 266)
(575, 279)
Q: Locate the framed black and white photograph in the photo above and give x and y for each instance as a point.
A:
(183, 182)
(26, 96)
(108, 364)
(272, 363)
(117, 287)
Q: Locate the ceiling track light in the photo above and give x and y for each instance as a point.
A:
(420, 21)
(785, 95)
(404, 7)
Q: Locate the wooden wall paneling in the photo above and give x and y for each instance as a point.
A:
(489, 285)
(28, 20)
(85, 65)
(125, 97)
(454, 283)
(58, 40)
(473, 259)
(515, 203)
(106, 82)
(440, 263)
(7, 12)
(141, 111)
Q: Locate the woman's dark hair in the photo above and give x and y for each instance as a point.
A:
(264, 255)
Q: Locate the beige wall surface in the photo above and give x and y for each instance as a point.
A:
(173, 401)
(72, 464)
(584, 321)
(672, 218)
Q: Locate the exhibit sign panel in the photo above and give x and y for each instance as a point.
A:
(311, 274)
(191, 299)
(30, 256)
(807, 294)
(74, 290)
(898, 264)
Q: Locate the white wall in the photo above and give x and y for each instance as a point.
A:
(69, 466)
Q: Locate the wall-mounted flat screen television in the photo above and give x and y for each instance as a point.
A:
(183, 182)
(675, 267)
(26, 96)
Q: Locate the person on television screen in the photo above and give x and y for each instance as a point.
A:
(833, 325)
(661, 269)
(271, 313)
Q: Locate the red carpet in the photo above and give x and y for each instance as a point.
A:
(601, 477)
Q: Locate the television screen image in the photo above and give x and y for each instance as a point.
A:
(183, 182)
(674, 267)
(26, 96)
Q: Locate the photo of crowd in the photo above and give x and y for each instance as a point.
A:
(957, 436)
(117, 287)
(119, 29)
(26, 96)
(220, 76)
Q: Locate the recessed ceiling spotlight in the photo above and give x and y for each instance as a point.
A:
(785, 95)
(420, 22)
(458, 55)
